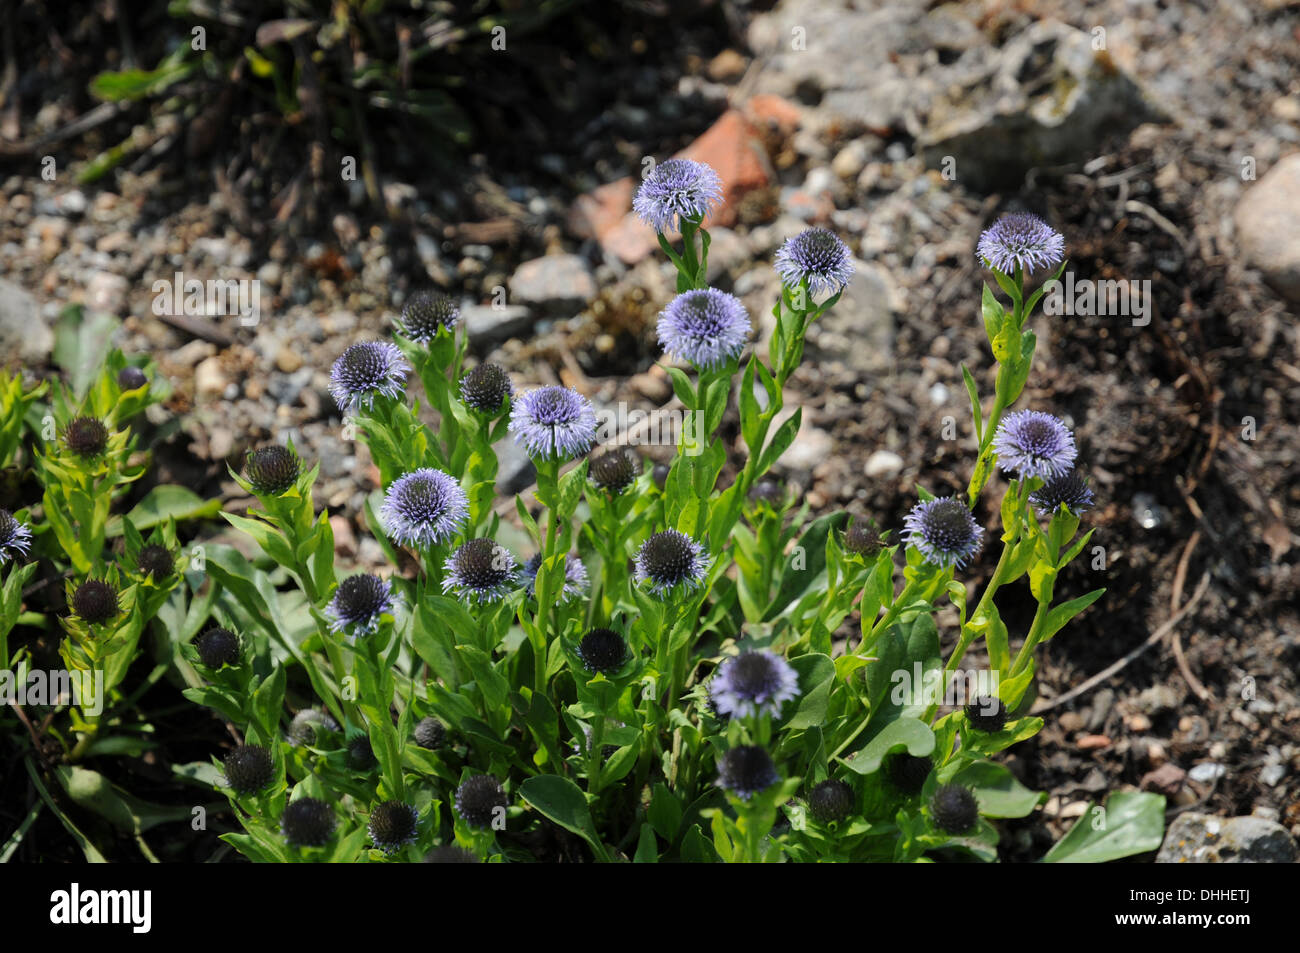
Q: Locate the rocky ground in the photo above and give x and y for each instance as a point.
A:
(1161, 140)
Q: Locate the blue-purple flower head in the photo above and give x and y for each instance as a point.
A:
(481, 571)
(1030, 443)
(753, 683)
(706, 327)
(553, 422)
(576, 581)
(424, 508)
(676, 188)
(1021, 240)
(15, 538)
(358, 604)
(944, 531)
(1069, 489)
(365, 371)
(817, 256)
(746, 770)
(669, 561)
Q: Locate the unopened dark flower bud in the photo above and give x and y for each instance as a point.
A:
(361, 755)
(862, 538)
(987, 713)
(670, 560)
(358, 604)
(603, 650)
(480, 800)
(486, 388)
(831, 801)
(86, 437)
(218, 647)
(954, 809)
(308, 724)
(131, 378)
(426, 312)
(769, 492)
(392, 825)
(908, 772)
(249, 768)
(95, 601)
(156, 561)
(272, 470)
(615, 469)
(660, 474)
(746, 770)
(430, 733)
(308, 822)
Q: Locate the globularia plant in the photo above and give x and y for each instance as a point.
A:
(665, 669)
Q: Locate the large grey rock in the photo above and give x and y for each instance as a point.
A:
(553, 282)
(1205, 839)
(24, 336)
(1268, 226)
(488, 324)
(859, 330)
(1047, 98)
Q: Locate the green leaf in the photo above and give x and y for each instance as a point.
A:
(81, 344)
(647, 848)
(805, 563)
(911, 734)
(1131, 822)
(564, 803)
(998, 792)
(682, 387)
(163, 503)
(1060, 615)
(816, 678)
(973, 392)
(781, 441)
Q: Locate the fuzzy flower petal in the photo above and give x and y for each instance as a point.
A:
(424, 508)
(817, 256)
(1069, 488)
(15, 538)
(1033, 444)
(1021, 240)
(943, 531)
(676, 187)
(367, 370)
(358, 603)
(481, 571)
(553, 422)
(576, 581)
(706, 327)
(670, 560)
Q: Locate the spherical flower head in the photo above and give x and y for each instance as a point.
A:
(156, 561)
(430, 733)
(480, 800)
(603, 650)
(361, 753)
(908, 772)
(615, 469)
(954, 809)
(862, 538)
(670, 560)
(481, 571)
(218, 647)
(553, 422)
(450, 855)
(943, 531)
(425, 313)
(1070, 489)
(308, 822)
(831, 801)
(15, 538)
(1030, 443)
(87, 437)
(1021, 240)
(768, 492)
(131, 378)
(358, 603)
(424, 508)
(676, 188)
(746, 770)
(307, 725)
(272, 470)
(576, 581)
(706, 326)
(95, 601)
(365, 371)
(753, 683)
(986, 713)
(816, 256)
(393, 825)
(486, 388)
(248, 769)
